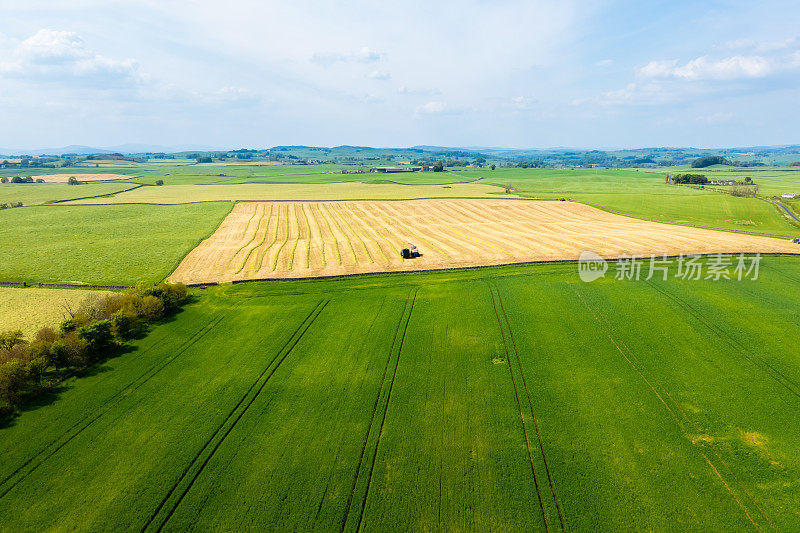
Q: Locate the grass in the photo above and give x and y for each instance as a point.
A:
(42, 193)
(513, 398)
(116, 245)
(175, 194)
(646, 195)
(32, 308)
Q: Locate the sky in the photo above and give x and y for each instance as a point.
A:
(500, 73)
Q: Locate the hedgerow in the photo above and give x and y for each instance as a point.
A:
(89, 335)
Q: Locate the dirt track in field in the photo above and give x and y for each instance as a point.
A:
(62, 178)
(308, 239)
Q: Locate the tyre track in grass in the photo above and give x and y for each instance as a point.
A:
(495, 306)
(533, 415)
(198, 463)
(339, 449)
(688, 308)
(8, 483)
(672, 411)
(779, 377)
(394, 355)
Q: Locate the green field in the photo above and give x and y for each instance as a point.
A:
(644, 194)
(174, 194)
(117, 245)
(639, 193)
(514, 398)
(42, 193)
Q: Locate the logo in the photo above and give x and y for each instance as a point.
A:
(591, 266)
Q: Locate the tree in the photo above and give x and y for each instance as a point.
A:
(493, 166)
(693, 179)
(438, 166)
(707, 161)
(9, 339)
(13, 380)
(748, 179)
(4, 180)
(72, 180)
(98, 337)
(159, 182)
(204, 160)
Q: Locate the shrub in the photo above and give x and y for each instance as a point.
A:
(159, 182)
(36, 369)
(98, 337)
(9, 339)
(13, 381)
(72, 180)
(125, 325)
(150, 307)
(707, 161)
(693, 179)
(39, 180)
(4, 180)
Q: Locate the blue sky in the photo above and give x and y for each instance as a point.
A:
(525, 74)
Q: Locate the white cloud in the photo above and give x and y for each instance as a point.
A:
(729, 68)
(418, 91)
(62, 56)
(716, 118)
(521, 102)
(378, 75)
(364, 55)
(431, 108)
(632, 94)
(605, 63)
(761, 47)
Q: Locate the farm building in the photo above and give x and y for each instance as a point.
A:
(789, 195)
(387, 170)
(723, 182)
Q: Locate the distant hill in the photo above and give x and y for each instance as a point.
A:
(78, 149)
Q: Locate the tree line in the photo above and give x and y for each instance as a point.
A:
(87, 336)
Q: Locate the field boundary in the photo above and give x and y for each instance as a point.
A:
(57, 202)
(80, 286)
(478, 267)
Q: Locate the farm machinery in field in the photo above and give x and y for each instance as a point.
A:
(411, 252)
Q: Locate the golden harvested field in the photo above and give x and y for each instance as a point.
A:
(62, 178)
(178, 194)
(306, 239)
(33, 308)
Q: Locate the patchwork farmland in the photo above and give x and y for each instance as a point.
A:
(306, 239)
(511, 398)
